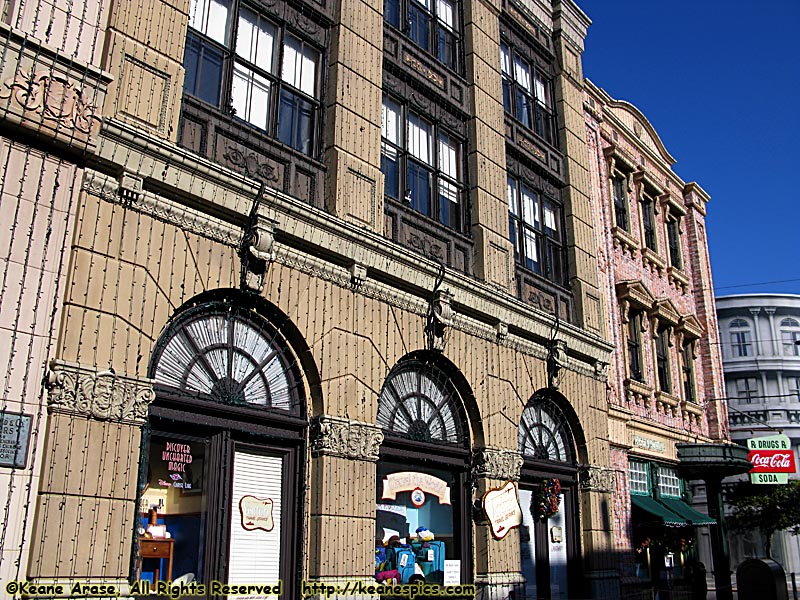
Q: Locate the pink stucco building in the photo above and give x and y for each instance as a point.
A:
(665, 379)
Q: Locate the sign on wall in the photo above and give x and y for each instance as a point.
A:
(501, 506)
(15, 431)
(772, 458)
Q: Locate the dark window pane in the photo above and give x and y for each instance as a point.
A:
(203, 63)
(295, 122)
(419, 185)
(513, 234)
(555, 268)
(523, 107)
(621, 203)
(648, 224)
(391, 12)
(191, 62)
(674, 244)
(446, 47)
(449, 209)
(390, 167)
(507, 95)
(419, 26)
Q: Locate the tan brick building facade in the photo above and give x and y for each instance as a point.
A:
(268, 260)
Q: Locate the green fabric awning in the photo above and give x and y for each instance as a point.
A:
(658, 511)
(692, 517)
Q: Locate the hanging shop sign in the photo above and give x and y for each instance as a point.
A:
(256, 513)
(417, 483)
(772, 458)
(502, 509)
(15, 432)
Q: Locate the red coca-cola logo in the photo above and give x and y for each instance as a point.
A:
(772, 461)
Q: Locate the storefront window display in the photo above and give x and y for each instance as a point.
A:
(220, 460)
(664, 525)
(422, 528)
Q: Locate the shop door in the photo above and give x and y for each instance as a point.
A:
(543, 551)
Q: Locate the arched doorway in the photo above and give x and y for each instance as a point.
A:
(550, 533)
(221, 461)
(423, 495)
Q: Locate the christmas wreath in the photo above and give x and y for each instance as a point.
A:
(545, 503)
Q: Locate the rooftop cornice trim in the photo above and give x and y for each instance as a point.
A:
(606, 99)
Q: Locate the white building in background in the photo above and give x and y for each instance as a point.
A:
(760, 336)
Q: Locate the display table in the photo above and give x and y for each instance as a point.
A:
(158, 548)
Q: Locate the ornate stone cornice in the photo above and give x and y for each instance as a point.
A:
(336, 436)
(496, 463)
(49, 93)
(597, 479)
(95, 394)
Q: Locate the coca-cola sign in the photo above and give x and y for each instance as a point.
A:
(772, 458)
(772, 461)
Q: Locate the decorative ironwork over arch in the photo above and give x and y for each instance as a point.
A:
(419, 402)
(229, 354)
(544, 433)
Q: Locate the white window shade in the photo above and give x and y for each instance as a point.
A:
(446, 13)
(512, 197)
(299, 66)
(522, 74)
(255, 554)
(255, 40)
(211, 18)
(549, 217)
(530, 208)
(390, 121)
(250, 96)
(505, 60)
(419, 139)
(448, 157)
(539, 90)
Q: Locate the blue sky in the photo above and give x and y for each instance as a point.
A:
(720, 82)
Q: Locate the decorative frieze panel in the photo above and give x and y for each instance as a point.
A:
(496, 463)
(597, 479)
(95, 394)
(336, 436)
(52, 95)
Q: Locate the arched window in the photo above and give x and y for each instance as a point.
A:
(741, 342)
(419, 402)
(790, 337)
(422, 489)
(544, 432)
(224, 440)
(228, 354)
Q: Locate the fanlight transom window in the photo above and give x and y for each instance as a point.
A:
(419, 402)
(228, 354)
(544, 433)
